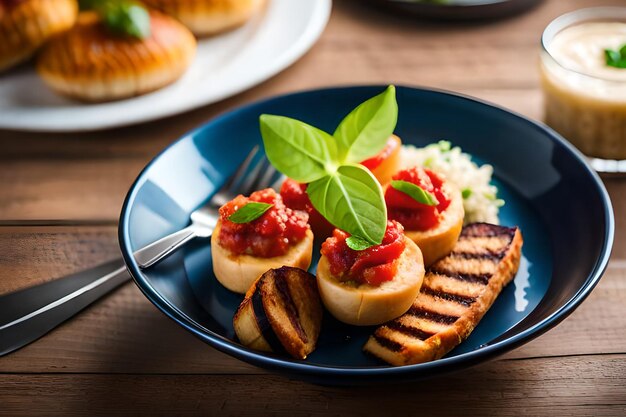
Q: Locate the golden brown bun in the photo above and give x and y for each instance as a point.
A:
(238, 272)
(389, 166)
(208, 17)
(366, 305)
(90, 63)
(26, 25)
(439, 241)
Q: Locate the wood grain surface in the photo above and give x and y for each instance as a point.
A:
(60, 197)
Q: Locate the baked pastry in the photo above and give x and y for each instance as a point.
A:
(281, 312)
(90, 63)
(26, 24)
(208, 17)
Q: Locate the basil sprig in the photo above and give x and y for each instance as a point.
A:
(250, 212)
(123, 17)
(614, 58)
(416, 192)
(345, 193)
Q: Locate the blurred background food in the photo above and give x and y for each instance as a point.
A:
(89, 63)
(208, 17)
(25, 25)
(114, 49)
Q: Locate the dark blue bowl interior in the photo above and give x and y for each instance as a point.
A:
(559, 203)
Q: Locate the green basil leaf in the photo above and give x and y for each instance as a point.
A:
(250, 212)
(352, 200)
(298, 150)
(416, 192)
(125, 18)
(616, 59)
(364, 132)
(356, 243)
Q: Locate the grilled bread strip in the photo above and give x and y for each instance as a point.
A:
(457, 291)
(281, 312)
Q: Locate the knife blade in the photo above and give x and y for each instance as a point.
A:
(28, 314)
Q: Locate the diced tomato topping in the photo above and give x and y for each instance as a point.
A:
(374, 265)
(270, 235)
(412, 214)
(295, 197)
(375, 161)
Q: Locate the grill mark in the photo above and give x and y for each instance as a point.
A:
(263, 322)
(386, 343)
(487, 230)
(459, 299)
(465, 277)
(413, 332)
(280, 281)
(432, 316)
(488, 256)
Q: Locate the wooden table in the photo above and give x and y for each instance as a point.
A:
(60, 196)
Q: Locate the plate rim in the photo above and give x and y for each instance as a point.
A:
(315, 26)
(481, 10)
(417, 371)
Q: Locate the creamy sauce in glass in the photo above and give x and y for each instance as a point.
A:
(581, 48)
(585, 98)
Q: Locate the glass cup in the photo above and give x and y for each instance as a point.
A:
(586, 105)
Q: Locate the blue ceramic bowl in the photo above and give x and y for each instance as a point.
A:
(559, 203)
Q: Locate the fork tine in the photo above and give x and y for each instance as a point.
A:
(239, 174)
(249, 183)
(278, 182)
(267, 177)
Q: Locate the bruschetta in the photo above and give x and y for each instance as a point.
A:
(243, 251)
(371, 286)
(387, 162)
(435, 227)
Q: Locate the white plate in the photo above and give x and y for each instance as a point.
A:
(225, 65)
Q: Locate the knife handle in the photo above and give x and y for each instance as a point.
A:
(28, 314)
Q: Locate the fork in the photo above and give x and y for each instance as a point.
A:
(204, 219)
(28, 314)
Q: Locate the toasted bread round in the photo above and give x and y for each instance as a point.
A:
(389, 165)
(439, 241)
(366, 305)
(208, 17)
(26, 25)
(238, 272)
(281, 311)
(90, 63)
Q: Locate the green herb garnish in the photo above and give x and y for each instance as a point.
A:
(466, 193)
(416, 192)
(615, 58)
(344, 192)
(356, 243)
(250, 212)
(123, 17)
